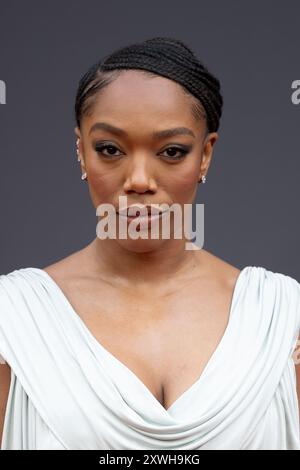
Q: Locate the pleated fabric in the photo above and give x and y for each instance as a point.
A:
(68, 392)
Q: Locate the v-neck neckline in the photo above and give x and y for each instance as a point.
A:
(123, 366)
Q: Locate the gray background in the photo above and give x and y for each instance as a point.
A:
(252, 191)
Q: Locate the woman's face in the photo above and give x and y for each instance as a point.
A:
(127, 156)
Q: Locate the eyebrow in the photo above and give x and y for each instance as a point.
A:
(155, 135)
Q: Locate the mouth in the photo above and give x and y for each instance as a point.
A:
(141, 211)
(143, 215)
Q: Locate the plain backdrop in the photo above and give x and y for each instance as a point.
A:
(252, 191)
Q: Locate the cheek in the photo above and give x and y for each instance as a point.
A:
(102, 186)
(182, 184)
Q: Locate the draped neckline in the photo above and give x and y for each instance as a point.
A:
(122, 366)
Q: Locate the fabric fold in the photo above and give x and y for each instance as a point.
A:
(68, 392)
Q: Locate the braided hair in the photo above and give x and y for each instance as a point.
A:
(162, 56)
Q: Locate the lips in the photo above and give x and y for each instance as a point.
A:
(136, 210)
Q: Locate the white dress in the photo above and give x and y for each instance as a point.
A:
(68, 392)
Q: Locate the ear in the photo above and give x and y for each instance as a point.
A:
(77, 131)
(77, 134)
(207, 152)
(80, 147)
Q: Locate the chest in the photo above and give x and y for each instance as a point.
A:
(166, 341)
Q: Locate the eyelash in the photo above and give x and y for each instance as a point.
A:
(100, 147)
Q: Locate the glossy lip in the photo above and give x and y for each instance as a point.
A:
(143, 217)
(152, 210)
(144, 220)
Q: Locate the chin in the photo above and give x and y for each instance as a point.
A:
(141, 245)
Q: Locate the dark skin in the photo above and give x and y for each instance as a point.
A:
(171, 305)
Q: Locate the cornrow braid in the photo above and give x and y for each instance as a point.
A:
(164, 56)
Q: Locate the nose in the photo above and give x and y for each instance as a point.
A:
(139, 177)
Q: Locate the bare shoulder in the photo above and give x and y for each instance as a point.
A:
(4, 391)
(220, 270)
(69, 267)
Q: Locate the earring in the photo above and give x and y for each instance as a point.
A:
(77, 150)
(83, 176)
(203, 179)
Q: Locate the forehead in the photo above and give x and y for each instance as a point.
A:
(133, 96)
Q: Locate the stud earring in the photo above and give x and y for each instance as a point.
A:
(203, 179)
(77, 150)
(83, 176)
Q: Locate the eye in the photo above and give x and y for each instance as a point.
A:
(110, 149)
(173, 150)
(174, 153)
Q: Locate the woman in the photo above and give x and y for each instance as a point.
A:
(141, 343)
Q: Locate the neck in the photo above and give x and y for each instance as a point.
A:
(164, 263)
